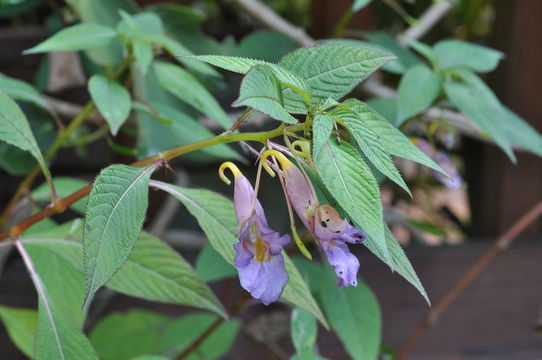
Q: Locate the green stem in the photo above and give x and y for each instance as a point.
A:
(343, 21)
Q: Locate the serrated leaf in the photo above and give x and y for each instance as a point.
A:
(351, 183)
(216, 216)
(20, 90)
(354, 314)
(115, 211)
(58, 335)
(473, 98)
(322, 126)
(521, 134)
(296, 93)
(21, 327)
(211, 266)
(397, 261)
(333, 70)
(393, 140)
(112, 99)
(76, 37)
(419, 87)
(187, 88)
(456, 53)
(15, 130)
(369, 142)
(261, 90)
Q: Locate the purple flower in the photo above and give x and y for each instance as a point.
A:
(258, 256)
(454, 180)
(331, 233)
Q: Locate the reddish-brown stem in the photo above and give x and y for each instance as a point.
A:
(501, 244)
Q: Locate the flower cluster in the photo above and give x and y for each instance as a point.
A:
(258, 253)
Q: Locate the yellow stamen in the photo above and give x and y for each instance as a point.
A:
(232, 167)
(284, 162)
(261, 250)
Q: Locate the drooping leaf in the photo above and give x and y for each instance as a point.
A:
(354, 314)
(352, 184)
(397, 260)
(21, 327)
(333, 70)
(211, 266)
(419, 87)
(14, 129)
(479, 103)
(216, 216)
(112, 99)
(64, 187)
(76, 37)
(58, 335)
(20, 90)
(369, 142)
(456, 53)
(394, 141)
(322, 126)
(261, 90)
(187, 88)
(265, 45)
(115, 211)
(521, 134)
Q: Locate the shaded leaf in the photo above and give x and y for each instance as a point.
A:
(322, 126)
(212, 267)
(521, 134)
(265, 45)
(304, 331)
(21, 327)
(456, 53)
(64, 187)
(112, 99)
(20, 90)
(357, 5)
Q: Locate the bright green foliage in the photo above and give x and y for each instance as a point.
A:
(333, 70)
(187, 88)
(322, 126)
(304, 331)
(479, 103)
(397, 260)
(427, 51)
(76, 37)
(64, 186)
(456, 53)
(418, 89)
(395, 142)
(370, 144)
(21, 327)
(354, 315)
(112, 99)
(216, 216)
(20, 90)
(405, 58)
(115, 212)
(351, 183)
(521, 134)
(261, 90)
(211, 266)
(14, 129)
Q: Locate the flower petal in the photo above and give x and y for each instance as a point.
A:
(353, 235)
(300, 194)
(345, 263)
(264, 280)
(243, 198)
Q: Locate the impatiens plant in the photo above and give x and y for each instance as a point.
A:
(150, 73)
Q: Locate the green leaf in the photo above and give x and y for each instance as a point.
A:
(212, 267)
(216, 216)
(143, 54)
(456, 53)
(150, 357)
(370, 144)
(187, 88)
(115, 212)
(112, 99)
(521, 134)
(265, 45)
(14, 129)
(473, 98)
(322, 126)
(405, 57)
(352, 184)
(64, 187)
(58, 334)
(20, 90)
(130, 334)
(357, 5)
(397, 260)
(333, 70)
(76, 37)
(393, 140)
(21, 327)
(418, 88)
(354, 314)
(423, 49)
(261, 90)
(304, 331)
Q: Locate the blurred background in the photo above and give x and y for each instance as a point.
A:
(444, 230)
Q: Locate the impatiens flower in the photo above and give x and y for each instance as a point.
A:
(258, 256)
(454, 180)
(330, 231)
